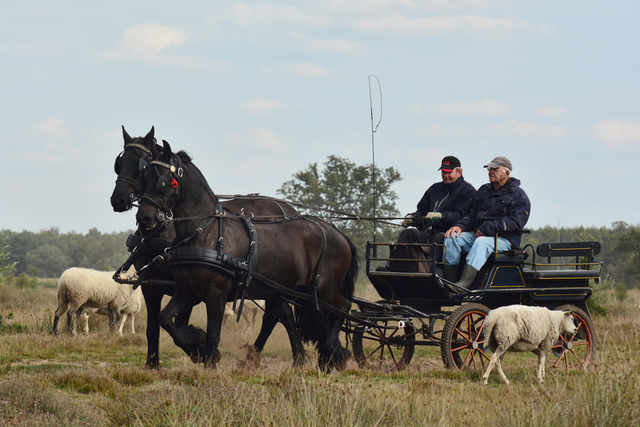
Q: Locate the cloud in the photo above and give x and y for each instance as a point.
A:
(250, 17)
(52, 128)
(618, 134)
(305, 70)
(339, 46)
(400, 25)
(260, 107)
(554, 112)
(151, 39)
(485, 107)
(527, 130)
(149, 44)
(261, 138)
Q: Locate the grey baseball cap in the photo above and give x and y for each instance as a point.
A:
(499, 161)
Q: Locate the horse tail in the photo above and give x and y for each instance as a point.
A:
(349, 283)
(314, 325)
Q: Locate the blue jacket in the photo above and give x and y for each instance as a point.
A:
(453, 201)
(503, 211)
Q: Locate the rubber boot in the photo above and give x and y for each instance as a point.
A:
(450, 272)
(467, 276)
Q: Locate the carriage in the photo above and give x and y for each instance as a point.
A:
(307, 262)
(424, 308)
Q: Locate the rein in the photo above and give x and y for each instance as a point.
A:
(135, 195)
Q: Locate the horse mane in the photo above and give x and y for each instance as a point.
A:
(187, 160)
(184, 156)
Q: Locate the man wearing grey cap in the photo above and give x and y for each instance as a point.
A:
(501, 206)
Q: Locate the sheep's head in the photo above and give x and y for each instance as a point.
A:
(568, 325)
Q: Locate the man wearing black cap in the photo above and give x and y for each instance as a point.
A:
(501, 208)
(444, 202)
(441, 206)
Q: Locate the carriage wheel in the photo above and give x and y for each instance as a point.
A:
(372, 347)
(461, 345)
(578, 351)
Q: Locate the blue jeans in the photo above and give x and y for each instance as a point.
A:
(479, 249)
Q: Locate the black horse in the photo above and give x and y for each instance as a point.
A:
(218, 257)
(128, 166)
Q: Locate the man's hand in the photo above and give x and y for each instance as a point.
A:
(479, 234)
(434, 216)
(408, 220)
(453, 231)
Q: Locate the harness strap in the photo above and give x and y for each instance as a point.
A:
(316, 280)
(251, 262)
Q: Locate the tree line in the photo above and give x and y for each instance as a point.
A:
(47, 253)
(339, 187)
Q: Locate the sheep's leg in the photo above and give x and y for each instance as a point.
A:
(62, 308)
(72, 318)
(114, 318)
(124, 319)
(499, 367)
(541, 361)
(495, 359)
(85, 316)
(133, 324)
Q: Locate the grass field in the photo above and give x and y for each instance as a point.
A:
(99, 380)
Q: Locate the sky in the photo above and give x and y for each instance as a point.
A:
(256, 91)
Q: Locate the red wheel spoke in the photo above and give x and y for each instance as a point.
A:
(375, 351)
(580, 361)
(462, 335)
(575, 344)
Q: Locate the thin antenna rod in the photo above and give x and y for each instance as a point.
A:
(374, 129)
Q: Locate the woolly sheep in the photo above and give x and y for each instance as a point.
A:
(84, 288)
(524, 328)
(130, 310)
(249, 311)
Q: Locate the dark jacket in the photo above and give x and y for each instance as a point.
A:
(503, 211)
(453, 201)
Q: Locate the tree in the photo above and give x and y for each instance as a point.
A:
(5, 267)
(629, 247)
(345, 188)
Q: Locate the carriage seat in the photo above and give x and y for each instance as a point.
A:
(569, 249)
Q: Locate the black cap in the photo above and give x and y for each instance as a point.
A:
(449, 163)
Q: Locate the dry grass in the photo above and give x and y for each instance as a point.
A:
(98, 380)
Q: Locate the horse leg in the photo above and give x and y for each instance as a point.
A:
(287, 320)
(153, 302)
(215, 310)
(339, 354)
(188, 338)
(269, 321)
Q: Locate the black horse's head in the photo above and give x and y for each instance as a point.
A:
(161, 185)
(129, 165)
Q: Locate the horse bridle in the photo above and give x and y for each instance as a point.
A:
(168, 186)
(142, 165)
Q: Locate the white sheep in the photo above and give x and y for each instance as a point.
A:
(84, 288)
(249, 311)
(130, 310)
(524, 328)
